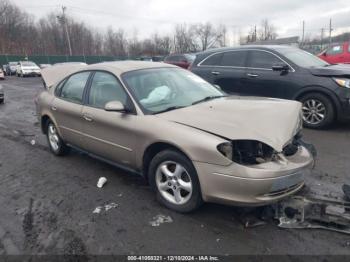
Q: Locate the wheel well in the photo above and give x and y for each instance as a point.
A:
(44, 120)
(322, 93)
(152, 151)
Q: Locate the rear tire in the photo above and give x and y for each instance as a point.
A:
(174, 178)
(56, 144)
(318, 111)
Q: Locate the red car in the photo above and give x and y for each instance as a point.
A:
(181, 60)
(337, 54)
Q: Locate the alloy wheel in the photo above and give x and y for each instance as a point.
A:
(314, 111)
(53, 137)
(174, 183)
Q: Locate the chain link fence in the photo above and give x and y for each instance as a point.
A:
(52, 59)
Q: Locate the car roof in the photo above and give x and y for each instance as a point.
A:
(262, 47)
(119, 67)
(56, 73)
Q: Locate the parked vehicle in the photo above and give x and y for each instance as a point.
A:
(191, 141)
(27, 68)
(181, 60)
(158, 58)
(281, 72)
(337, 54)
(2, 95)
(5, 69)
(2, 74)
(70, 63)
(13, 68)
(42, 66)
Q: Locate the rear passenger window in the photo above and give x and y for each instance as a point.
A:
(334, 50)
(73, 88)
(106, 88)
(261, 59)
(235, 58)
(213, 60)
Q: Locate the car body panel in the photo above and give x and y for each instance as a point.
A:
(337, 54)
(196, 131)
(227, 117)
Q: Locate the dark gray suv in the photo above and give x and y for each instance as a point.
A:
(281, 72)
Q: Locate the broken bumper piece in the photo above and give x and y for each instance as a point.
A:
(314, 212)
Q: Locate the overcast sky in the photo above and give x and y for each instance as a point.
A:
(149, 16)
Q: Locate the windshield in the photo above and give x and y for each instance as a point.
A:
(302, 58)
(28, 64)
(157, 90)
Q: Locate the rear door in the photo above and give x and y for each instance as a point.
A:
(109, 134)
(230, 72)
(261, 80)
(67, 107)
(225, 69)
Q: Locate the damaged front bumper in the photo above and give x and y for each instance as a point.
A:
(254, 185)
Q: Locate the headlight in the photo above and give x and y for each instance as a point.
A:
(225, 149)
(343, 82)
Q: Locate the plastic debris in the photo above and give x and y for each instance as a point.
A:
(97, 210)
(101, 182)
(106, 207)
(160, 219)
(32, 142)
(111, 205)
(314, 212)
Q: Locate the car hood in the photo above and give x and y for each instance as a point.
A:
(332, 70)
(271, 121)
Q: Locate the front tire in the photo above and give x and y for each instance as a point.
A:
(174, 178)
(318, 111)
(56, 144)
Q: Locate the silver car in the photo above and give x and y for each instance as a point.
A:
(191, 141)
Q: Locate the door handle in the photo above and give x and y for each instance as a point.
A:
(87, 118)
(215, 73)
(53, 108)
(252, 75)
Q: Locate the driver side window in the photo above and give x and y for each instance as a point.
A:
(106, 88)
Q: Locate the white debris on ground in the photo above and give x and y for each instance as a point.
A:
(32, 142)
(160, 219)
(101, 182)
(97, 210)
(106, 207)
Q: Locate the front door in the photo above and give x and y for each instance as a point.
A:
(109, 134)
(261, 80)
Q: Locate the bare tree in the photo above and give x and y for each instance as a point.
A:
(184, 39)
(267, 31)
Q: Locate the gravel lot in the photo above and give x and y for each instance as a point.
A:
(47, 202)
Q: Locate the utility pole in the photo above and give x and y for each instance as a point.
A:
(255, 33)
(303, 35)
(330, 31)
(63, 21)
(322, 33)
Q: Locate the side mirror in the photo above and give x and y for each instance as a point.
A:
(114, 106)
(280, 67)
